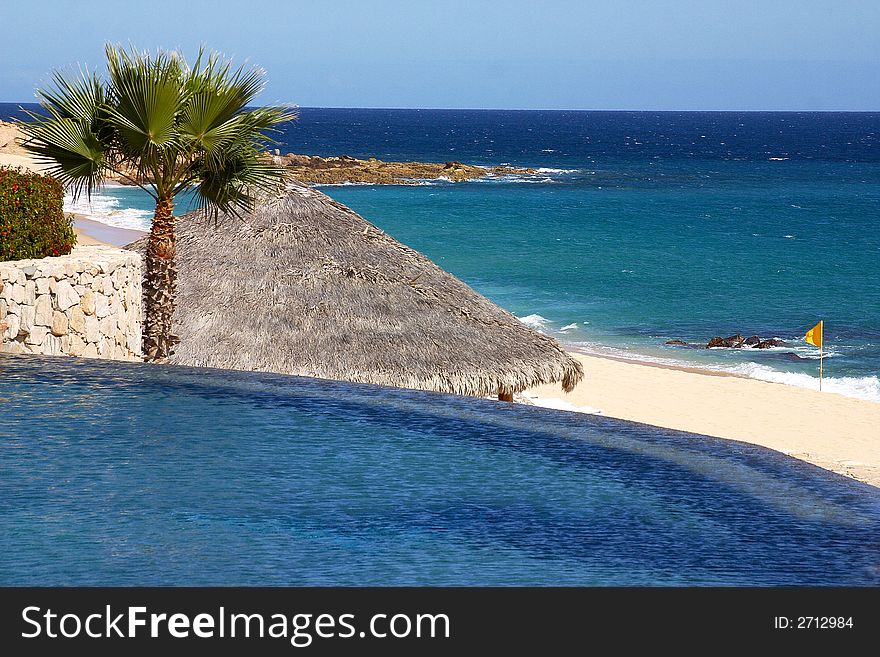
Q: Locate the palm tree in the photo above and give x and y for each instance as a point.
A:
(169, 128)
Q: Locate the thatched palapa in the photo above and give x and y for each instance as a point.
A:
(303, 285)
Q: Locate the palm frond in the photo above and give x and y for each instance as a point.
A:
(147, 95)
(77, 95)
(160, 122)
(73, 152)
(213, 115)
(67, 134)
(234, 184)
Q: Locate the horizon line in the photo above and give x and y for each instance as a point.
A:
(539, 109)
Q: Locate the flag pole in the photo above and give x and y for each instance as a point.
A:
(821, 349)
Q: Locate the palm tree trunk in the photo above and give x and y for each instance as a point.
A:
(160, 284)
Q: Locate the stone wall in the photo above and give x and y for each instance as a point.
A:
(86, 304)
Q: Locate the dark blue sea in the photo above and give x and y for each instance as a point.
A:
(638, 227)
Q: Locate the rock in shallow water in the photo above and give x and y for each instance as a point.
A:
(732, 342)
(767, 344)
(738, 341)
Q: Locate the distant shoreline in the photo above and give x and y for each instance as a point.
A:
(342, 169)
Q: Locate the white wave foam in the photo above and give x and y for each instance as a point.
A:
(568, 327)
(598, 349)
(558, 404)
(106, 209)
(534, 321)
(551, 170)
(867, 387)
(796, 345)
(864, 387)
(808, 356)
(514, 179)
(342, 184)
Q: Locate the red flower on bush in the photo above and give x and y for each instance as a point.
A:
(32, 224)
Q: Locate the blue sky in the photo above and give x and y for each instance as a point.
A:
(555, 54)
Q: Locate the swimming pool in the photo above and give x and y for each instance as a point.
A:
(132, 474)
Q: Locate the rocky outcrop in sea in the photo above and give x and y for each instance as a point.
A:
(737, 341)
(344, 169)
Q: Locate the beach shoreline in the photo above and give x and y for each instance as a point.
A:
(826, 429)
(89, 231)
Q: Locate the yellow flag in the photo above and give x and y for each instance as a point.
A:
(814, 335)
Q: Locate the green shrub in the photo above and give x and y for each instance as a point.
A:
(32, 220)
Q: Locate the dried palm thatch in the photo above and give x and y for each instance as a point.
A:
(303, 285)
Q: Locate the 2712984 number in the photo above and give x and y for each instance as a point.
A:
(824, 622)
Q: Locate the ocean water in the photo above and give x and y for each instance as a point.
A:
(638, 227)
(300, 481)
(117, 205)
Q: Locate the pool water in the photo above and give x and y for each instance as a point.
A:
(132, 474)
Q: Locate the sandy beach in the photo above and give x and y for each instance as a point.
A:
(89, 231)
(837, 433)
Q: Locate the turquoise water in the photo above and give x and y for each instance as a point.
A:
(122, 206)
(624, 269)
(639, 227)
(129, 474)
(632, 267)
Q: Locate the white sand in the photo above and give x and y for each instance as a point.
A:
(829, 430)
(89, 231)
(11, 152)
(23, 161)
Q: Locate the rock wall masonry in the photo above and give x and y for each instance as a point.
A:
(86, 304)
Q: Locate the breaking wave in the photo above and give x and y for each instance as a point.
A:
(112, 207)
(861, 387)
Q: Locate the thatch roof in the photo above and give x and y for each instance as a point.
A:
(304, 285)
